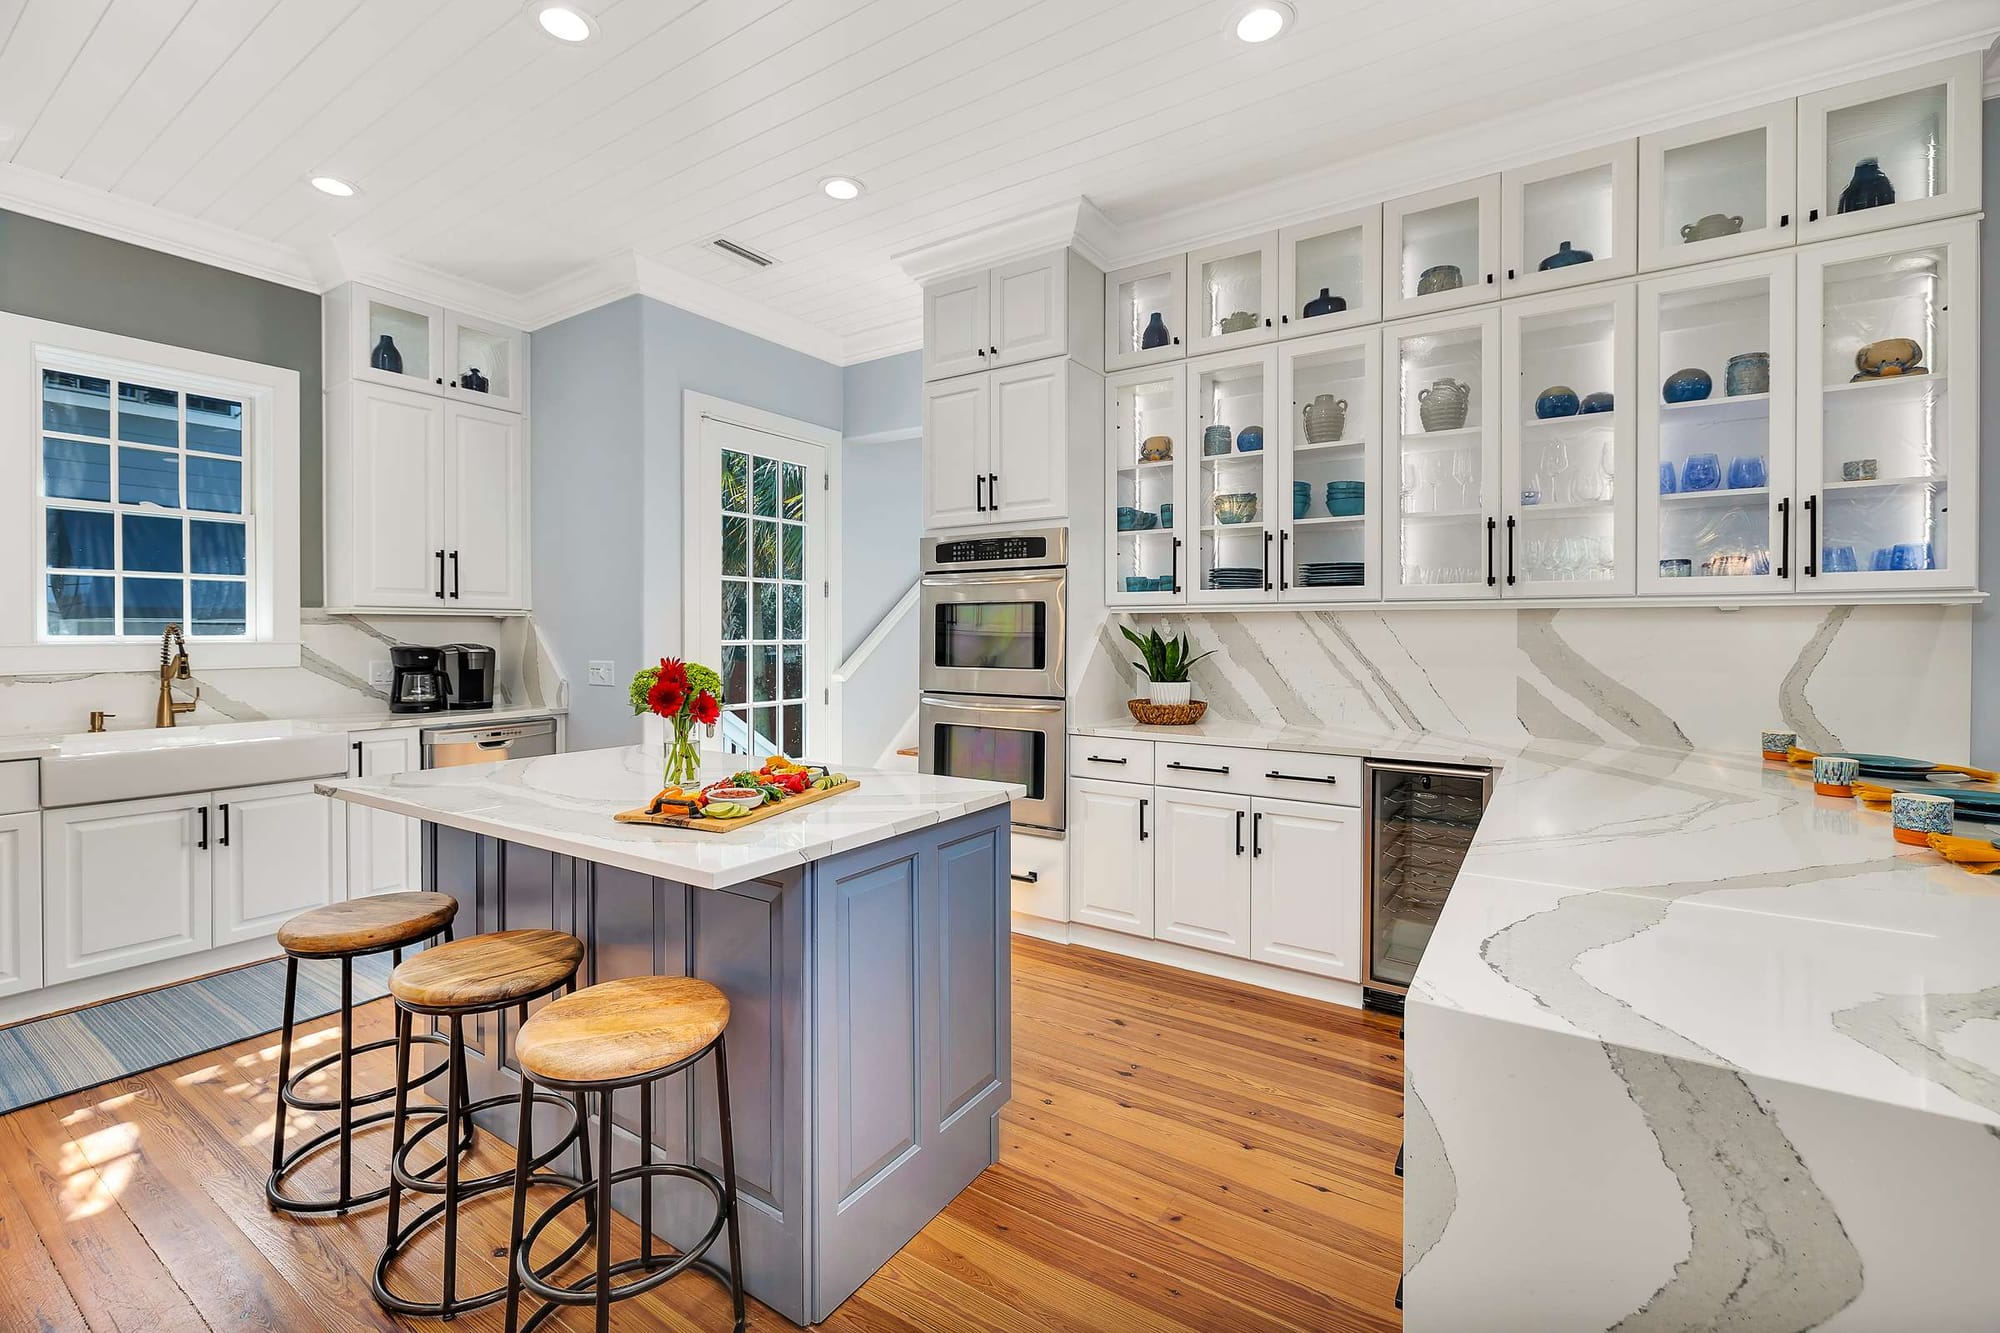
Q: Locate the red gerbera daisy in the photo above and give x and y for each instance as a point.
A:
(672, 669)
(666, 698)
(705, 709)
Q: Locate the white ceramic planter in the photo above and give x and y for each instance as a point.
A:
(1162, 693)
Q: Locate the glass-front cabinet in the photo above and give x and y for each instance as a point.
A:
(1146, 416)
(1145, 313)
(393, 340)
(1329, 468)
(1718, 189)
(1330, 273)
(1892, 150)
(1232, 529)
(1232, 293)
(487, 363)
(1441, 456)
(1566, 445)
(1570, 221)
(1441, 249)
(1718, 382)
(1888, 447)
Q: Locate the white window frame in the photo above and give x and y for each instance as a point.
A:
(270, 398)
(698, 573)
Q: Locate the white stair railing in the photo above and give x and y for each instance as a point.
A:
(884, 627)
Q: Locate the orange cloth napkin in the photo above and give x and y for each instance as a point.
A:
(1872, 793)
(1977, 855)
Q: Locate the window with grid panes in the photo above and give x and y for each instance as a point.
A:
(764, 604)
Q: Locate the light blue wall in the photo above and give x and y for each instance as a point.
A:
(882, 511)
(886, 394)
(1986, 617)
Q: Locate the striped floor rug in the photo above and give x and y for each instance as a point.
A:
(53, 1057)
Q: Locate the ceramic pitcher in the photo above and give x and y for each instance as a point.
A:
(1443, 405)
(1326, 417)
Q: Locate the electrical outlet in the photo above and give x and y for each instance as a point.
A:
(379, 675)
(600, 673)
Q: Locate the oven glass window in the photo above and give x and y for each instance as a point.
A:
(1003, 636)
(997, 754)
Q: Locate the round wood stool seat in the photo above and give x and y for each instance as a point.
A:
(486, 971)
(367, 925)
(621, 1030)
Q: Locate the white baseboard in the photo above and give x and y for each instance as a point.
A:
(130, 981)
(1282, 979)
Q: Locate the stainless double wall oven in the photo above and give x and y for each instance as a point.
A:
(993, 671)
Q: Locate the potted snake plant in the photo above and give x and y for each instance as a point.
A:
(1166, 666)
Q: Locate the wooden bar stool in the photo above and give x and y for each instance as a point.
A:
(629, 1033)
(344, 931)
(453, 982)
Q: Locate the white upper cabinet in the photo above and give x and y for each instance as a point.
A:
(1441, 248)
(486, 363)
(1233, 294)
(1330, 273)
(955, 322)
(1328, 445)
(385, 498)
(1718, 189)
(998, 446)
(1145, 313)
(1145, 466)
(1232, 529)
(1717, 389)
(1888, 409)
(1566, 444)
(1570, 221)
(1046, 305)
(1025, 481)
(1441, 456)
(485, 510)
(1891, 150)
(957, 449)
(382, 338)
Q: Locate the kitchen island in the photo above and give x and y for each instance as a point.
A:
(862, 941)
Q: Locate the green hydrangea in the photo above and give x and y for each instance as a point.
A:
(699, 678)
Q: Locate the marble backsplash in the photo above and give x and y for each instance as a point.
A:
(1894, 679)
(331, 679)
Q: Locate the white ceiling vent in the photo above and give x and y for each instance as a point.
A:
(744, 253)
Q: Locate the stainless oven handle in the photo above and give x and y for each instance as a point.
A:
(1053, 707)
(992, 579)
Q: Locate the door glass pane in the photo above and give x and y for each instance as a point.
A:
(1568, 456)
(995, 754)
(993, 635)
(1882, 152)
(484, 361)
(1326, 274)
(765, 614)
(1146, 428)
(1567, 220)
(794, 491)
(735, 545)
(1440, 466)
(765, 617)
(1330, 483)
(399, 341)
(1230, 293)
(1713, 470)
(1440, 248)
(1714, 188)
(735, 482)
(1233, 511)
(764, 489)
(1142, 317)
(1885, 428)
(1424, 824)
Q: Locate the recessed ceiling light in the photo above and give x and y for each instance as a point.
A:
(334, 186)
(1262, 21)
(565, 23)
(842, 188)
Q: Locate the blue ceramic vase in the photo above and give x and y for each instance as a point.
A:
(1687, 386)
(1326, 303)
(386, 357)
(1155, 334)
(1869, 188)
(1250, 439)
(1596, 402)
(1557, 401)
(1566, 255)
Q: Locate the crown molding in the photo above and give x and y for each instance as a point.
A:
(905, 335)
(1076, 223)
(337, 264)
(102, 213)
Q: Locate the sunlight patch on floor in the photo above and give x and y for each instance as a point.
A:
(97, 1167)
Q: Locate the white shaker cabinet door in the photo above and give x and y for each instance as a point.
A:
(395, 542)
(955, 326)
(1030, 309)
(1111, 856)
(20, 903)
(957, 452)
(383, 850)
(1305, 887)
(1202, 883)
(275, 855)
(485, 509)
(124, 884)
(1030, 462)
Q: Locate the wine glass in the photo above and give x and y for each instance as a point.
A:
(1462, 472)
(1607, 467)
(1556, 458)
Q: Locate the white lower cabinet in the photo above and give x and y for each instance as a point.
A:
(276, 854)
(20, 902)
(1111, 859)
(1201, 871)
(124, 884)
(1305, 887)
(384, 854)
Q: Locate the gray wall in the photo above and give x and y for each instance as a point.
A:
(53, 272)
(1986, 617)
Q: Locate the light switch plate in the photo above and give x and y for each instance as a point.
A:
(600, 673)
(379, 675)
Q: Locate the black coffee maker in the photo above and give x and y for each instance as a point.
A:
(420, 684)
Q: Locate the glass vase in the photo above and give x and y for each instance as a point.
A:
(683, 765)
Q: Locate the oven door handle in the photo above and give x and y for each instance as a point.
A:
(1026, 708)
(995, 578)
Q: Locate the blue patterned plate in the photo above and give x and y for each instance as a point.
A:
(1887, 765)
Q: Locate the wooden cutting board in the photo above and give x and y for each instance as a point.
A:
(762, 812)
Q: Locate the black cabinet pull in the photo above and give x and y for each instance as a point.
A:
(454, 576)
(1510, 275)
(979, 492)
(1100, 759)
(1284, 319)
(440, 588)
(1300, 777)
(1196, 768)
(1812, 535)
(1510, 550)
(1142, 819)
(1489, 279)
(1267, 560)
(1784, 533)
(1257, 834)
(1239, 832)
(1267, 323)
(201, 843)
(993, 491)
(1032, 877)
(1813, 215)
(1284, 536)
(994, 350)
(981, 351)
(1490, 580)
(1176, 571)
(357, 759)
(1784, 219)
(440, 379)
(225, 824)
(1177, 340)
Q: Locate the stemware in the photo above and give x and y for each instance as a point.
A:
(1556, 458)
(1607, 467)
(1462, 472)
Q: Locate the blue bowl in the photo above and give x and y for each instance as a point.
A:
(1557, 401)
(1596, 402)
(1687, 386)
(1302, 503)
(1250, 439)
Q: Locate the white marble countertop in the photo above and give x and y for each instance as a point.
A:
(35, 745)
(564, 803)
(1707, 907)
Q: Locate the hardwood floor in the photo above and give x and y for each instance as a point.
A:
(1180, 1154)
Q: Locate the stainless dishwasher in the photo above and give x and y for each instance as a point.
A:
(488, 742)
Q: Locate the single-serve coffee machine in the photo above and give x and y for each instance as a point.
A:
(468, 674)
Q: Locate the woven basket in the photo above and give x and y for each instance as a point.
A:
(1167, 715)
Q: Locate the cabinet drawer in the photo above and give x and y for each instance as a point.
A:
(20, 786)
(1111, 757)
(1327, 779)
(1040, 876)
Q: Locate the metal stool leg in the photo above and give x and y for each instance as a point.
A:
(284, 1063)
(729, 1179)
(604, 1212)
(524, 1152)
(453, 1104)
(400, 1125)
(645, 1091)
(346, 1083)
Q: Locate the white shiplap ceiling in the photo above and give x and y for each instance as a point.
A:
(488, 154)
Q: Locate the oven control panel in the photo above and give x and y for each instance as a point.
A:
(977, 550)
(1030, 548)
